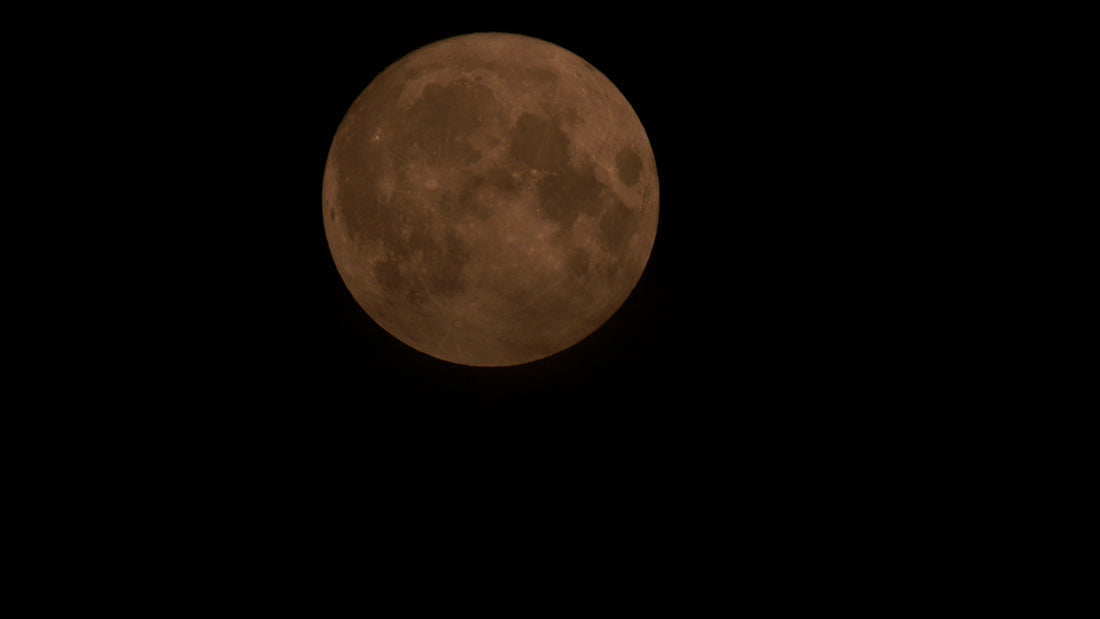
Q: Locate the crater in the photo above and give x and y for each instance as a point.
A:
(423, 265)
(388, 273)
(539, 143)
(507, 177)
(577, 261)
(628, 165)
(518, 75)
(445, 116)
(565, 194)
(366, 191)
(416, 296)
(477, 194)
(420, 241)
(444, 266)
(617, 224)
(537, 76)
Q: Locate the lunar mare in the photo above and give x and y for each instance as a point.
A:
(490, 199)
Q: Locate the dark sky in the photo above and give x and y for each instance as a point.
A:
(760, 386)
(758, 125)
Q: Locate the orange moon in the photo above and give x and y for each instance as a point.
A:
(490, 199)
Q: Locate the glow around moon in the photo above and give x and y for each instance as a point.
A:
(490, 199)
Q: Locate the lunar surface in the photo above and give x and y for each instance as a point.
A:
(490, 199)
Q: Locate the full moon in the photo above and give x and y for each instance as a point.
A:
(490, 199)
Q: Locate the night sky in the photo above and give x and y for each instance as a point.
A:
(758, 126)
(775, 391)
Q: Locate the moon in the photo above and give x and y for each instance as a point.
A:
(490, 199)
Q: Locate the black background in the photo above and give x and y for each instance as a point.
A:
(761, 368)
(765, 307)
(771, 405)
